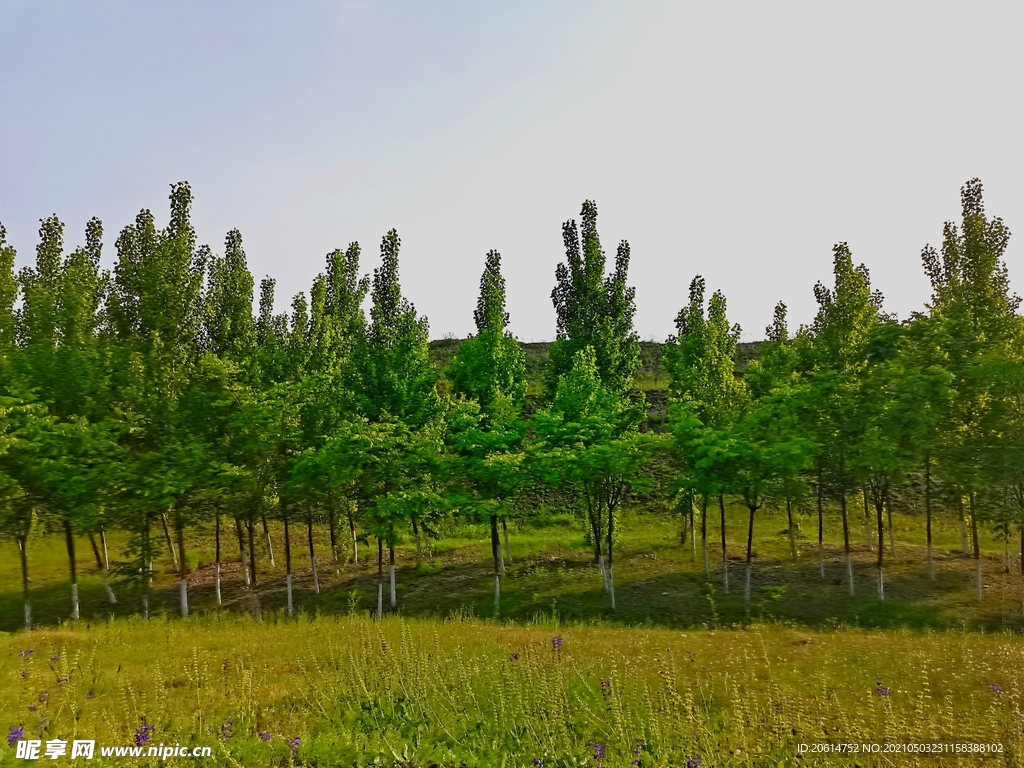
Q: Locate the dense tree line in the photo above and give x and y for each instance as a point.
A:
(150, 399)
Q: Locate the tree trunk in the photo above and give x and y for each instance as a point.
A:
(821, 532)
(352, 530)
(170, 544)
(867, 521)
(254, 570)
(495, 554)
(147, 566)
(928, 515)
(288, 565)
(241, 552)
(419, 545)
(217, 555)
(312, 554)
(332, 525)
(69, 539)
(270, 544)
(704, 532)
(101, 563)
(380, 577)
(977, 545)
(846, 541)
(693, 529)
(892, 533)
(879, 503)
(23, 550)
(508, 547)
(750, 550)
(391, 566)
(725, 556)
(183, 570)
(963, 526)
(792, 534)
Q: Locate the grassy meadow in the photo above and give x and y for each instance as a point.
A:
(683, 669)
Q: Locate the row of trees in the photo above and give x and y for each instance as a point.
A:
(150, 399)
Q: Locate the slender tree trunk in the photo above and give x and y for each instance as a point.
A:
(508, 548)
(725, 556)
(312, 554)
(352, 530)
(380, 577)
(611, 564)
(977, 546)
(217, 555)
(102, 564)
(879, 503)
(750, 550)
(241, 553)
(183, 570)
(704, 532)
(391, 566)
(792, 533)
(846, 541)
(254, 569)
(332, 525)
(693, 529)
(867, 521)
(928, 515)
(963, 525)
(147, 566)
(170, 544)
(495, 554)
(288, 565)
(419, 545)
(23, 550)
(821, 533)
(69, 539)
(270, 544)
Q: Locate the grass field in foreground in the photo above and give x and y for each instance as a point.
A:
(427, 692)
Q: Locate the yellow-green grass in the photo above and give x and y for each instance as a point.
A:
(467, 692)
(659, 582)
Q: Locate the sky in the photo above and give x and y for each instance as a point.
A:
(734, 140)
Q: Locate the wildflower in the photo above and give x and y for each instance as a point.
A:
(693, 762)
(91, 695)
(43, 697)
(293, 743)
(538, 763)
(638, 748)
(142, 734)
(515, 657)
(995, 688)
(55, 657)
(32, 707)
(227, 729)
(598, 749)
(882, 690)
(606, 689)
(227, 665)
(16, 734)
(264, 735)
(556, 643)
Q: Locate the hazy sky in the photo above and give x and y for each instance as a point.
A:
(734, 140)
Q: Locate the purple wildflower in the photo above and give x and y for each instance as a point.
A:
(515, 657)
(55, 657)
(598, 749)
(882, 690)
(16, 734)
(22, 654)
(556, 643)
(293, 743)
(995, 688)
(606, 689)
(538, 763)
(638, 748)
(693, 762)
(264, 735)
(32, 707)
(227, 729)
(142, 734)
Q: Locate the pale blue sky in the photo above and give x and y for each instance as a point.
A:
(735, 140)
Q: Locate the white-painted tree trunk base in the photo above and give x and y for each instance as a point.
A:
(501, 562)
(497, 591)
(746, 589)
(336, 561)
(245, 571)
(508, 547)
(604, 574)
(611, 584)
(881, 584)
(28, 615)
(111, 597)
(316, 577)
(394, 596)
(270, 550)
(74, 601)
(218, 585)
(849, 571)
(380, 599)
(145, 607)
(183, 596)
(288, 587)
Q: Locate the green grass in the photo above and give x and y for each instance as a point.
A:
(798, 662)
